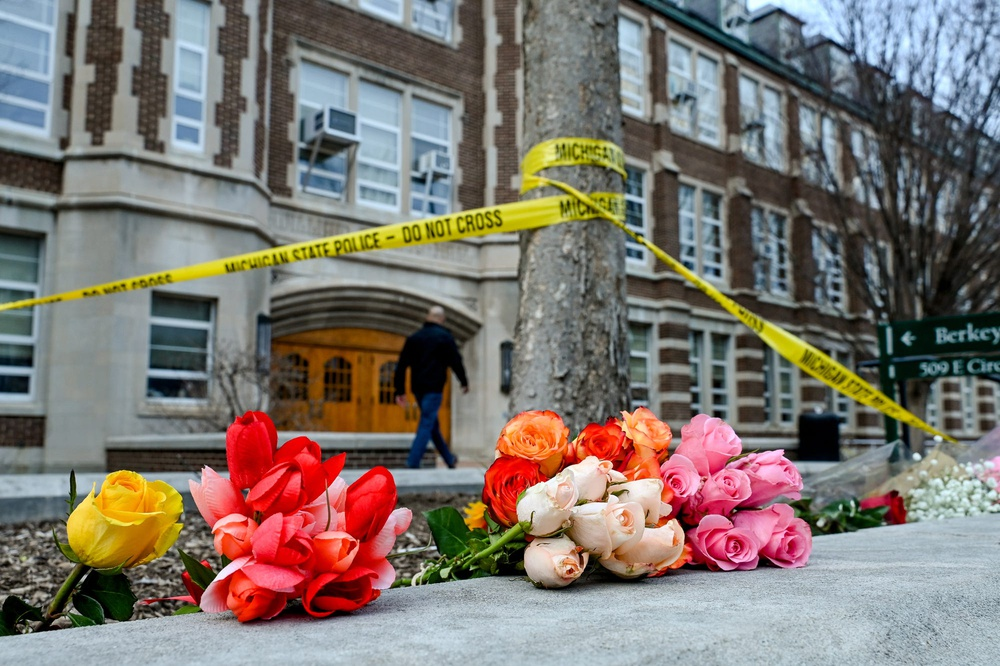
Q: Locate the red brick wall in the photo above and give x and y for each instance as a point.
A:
(30, 173)
(234, 46)
(22, 431)
(263, 67)
(104, 52)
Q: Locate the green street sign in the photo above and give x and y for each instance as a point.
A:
(938, 336)
(932, 368)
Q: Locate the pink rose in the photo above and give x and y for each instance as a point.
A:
(771, 476)
(709, 443)
(720, 545)
(723, 491)
(785, 540)
(216, 496)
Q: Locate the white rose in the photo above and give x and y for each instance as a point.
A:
(554, 562)
(657, 549)
(601, 527)
(648, 493)
(546, 506)
(592, 477)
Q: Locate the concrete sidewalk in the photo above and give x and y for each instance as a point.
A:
(923, 593)
(28, 497)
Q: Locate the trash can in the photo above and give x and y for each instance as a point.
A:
(819, 436)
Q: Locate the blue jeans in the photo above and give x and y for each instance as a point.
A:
(428, 430)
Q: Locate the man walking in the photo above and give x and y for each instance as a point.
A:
(429, 353)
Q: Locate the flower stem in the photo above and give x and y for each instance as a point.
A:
(62, 597)
(508, 536)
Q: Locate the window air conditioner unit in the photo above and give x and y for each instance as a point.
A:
(688, 92)
(753, 124)
(436, 163)
(333, 127)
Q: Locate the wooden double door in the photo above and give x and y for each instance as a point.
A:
(341, 380)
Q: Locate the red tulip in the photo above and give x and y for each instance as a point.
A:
(331, 592)
(370, 500)
(251, 442)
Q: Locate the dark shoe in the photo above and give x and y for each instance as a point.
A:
(454, 462)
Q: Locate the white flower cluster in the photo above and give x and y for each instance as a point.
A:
(962, 490)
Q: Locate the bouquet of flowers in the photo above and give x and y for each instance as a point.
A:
(614, 492)
(299, 532)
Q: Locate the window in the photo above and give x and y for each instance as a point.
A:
(293, 378)
(967, 393)
(779, 389)
(20, 262)
(829, 280)
(639, 364)
(320, 87)
(190, 72)
(700, 216)
(762, 124)
(868, 179)
(933, 411)
(876, 261)
(27, 54)
(386, 383)
(693, 83)
(819, 147)
(430, 188)
(337, 380)
(769, 231)
(370, 169)
(635, 212)
(180, 347)
(430, 17)
(836, 402)
(633, 73)
(710, 374)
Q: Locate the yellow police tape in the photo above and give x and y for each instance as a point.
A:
(511, 217)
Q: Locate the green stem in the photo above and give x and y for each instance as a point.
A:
(62, 596)
(508, 536)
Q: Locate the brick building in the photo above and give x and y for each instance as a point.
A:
(139, 136)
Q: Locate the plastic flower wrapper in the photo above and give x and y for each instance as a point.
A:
(863, 475)
(128, 523)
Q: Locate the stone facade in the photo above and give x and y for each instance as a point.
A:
(110, 191)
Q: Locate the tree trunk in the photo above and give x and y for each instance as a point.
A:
(571, 342)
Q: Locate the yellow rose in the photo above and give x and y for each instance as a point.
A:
(129, 523)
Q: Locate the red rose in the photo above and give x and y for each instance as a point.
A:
(506, 478)
(251, 441)
(606, 442)
(370, 500)
(332, 592)
(896, 515)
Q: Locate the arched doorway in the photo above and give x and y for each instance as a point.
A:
(341, 380)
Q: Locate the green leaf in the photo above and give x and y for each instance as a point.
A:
(16, 611)
(113, 593)
(89, 607)
(449, 530)
(65, 548)
(200, 574)
(72, 492)
(187, 610)
(80, 620)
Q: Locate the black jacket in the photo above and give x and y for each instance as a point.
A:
(429, 353)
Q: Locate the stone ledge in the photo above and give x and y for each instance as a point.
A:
(923, 593)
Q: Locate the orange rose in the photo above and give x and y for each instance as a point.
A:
(606, 442)
(539, 436)
(650, 437)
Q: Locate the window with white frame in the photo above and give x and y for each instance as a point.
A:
(711, 375)
(769, 232)
(430, 17)
(836, 402)
(635, 212)
(701, 231)
(818, 133)
(829, 281)
(693, 85)
(20, 270)
(180, 347)
(430, 148)
(27, 56)
(371, 172)
(320, 87)
(632, 63)
(876, 263)
(868, 180)
(967, 394)
(190, 73)
(763, 126)
(779, 389)
(640, 371)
